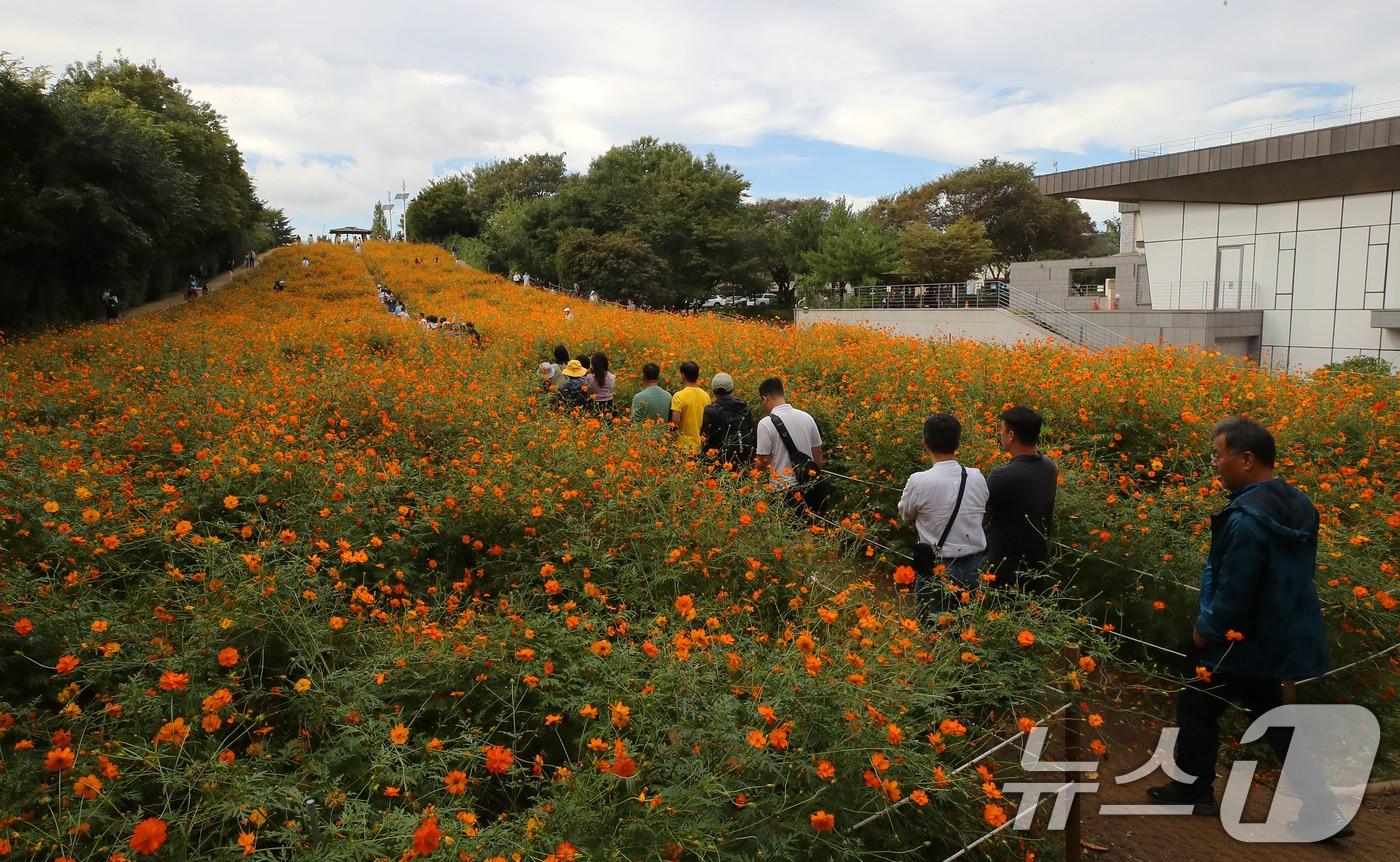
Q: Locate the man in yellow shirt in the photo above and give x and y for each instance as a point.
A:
(688, 408)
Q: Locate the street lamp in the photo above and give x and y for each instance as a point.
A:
(403, 196)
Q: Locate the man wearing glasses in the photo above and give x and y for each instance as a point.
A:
(1259, 623)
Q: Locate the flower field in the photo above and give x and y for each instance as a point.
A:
(282, 576)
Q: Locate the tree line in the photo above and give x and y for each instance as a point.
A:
(112, 177)
(652, 221)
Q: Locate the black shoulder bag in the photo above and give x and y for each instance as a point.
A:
(816, 491)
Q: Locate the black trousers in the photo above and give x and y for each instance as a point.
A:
(1199, 707)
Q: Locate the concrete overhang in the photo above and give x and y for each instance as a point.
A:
(1385, 318)
(1343, 160)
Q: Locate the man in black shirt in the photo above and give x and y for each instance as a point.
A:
(1021, 503)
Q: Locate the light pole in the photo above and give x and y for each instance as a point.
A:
(389, 219)
(403, 196)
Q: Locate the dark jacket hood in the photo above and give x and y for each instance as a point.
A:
(1282, 510)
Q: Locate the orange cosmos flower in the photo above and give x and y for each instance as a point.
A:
(427, 836)
(904, 575)
(620, 714)
(23, 627)
(59, 759)
(822, 821)
(67, 663)
(1025, 638)
(228, 657)
(498, 759)
(172, 732)
(456, 781)
(230, 502)
(399, 734)
(173, 681)
(148, 836)
(994, 814)
(87, 787)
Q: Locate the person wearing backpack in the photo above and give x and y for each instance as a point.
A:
(790, 446)
(947, 503)
(572, 392)
(727, 425)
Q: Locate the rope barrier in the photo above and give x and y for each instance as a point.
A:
(1054, 794)
(826, 472)
(1117, 633)
(979, 757)
(1388, 649)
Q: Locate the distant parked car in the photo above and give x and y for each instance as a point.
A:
(715, 302)
(763, 300)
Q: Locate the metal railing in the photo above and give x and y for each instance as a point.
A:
(973, 294)
(1068, 325)
(1204, 295)
(1268, 130)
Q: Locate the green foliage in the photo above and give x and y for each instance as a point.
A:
(791, 229)
(379, 225)
(1020, 221)
(852, 249)
(114, 178)
(617, 266)
(493, 184)
(1360, 365)
(955, 253)
(440, 210)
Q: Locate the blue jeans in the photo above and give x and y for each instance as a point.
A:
(963, 571)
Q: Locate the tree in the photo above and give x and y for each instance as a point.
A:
(791, 228)
(115, 179)
(1003, 196)
(690, 212)
(379, 225)
(1107, 241)
(955, 253)
(440, 210)
(493, 184)
(852, 249)
(617, 266)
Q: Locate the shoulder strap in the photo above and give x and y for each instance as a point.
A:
(794, 453)
(957, 504)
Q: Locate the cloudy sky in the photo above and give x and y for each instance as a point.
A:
(336, 104)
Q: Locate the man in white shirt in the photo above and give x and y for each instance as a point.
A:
(930, 500)
(801, 427)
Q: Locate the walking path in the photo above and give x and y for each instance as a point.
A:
(217, 282)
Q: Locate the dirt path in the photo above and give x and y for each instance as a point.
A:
(216, 283)
(1132, 735)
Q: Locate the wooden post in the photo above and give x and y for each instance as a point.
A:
(1074, 844)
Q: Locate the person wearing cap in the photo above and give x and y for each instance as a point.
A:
(568, 313)
(727, 426)
(571, 393)
(652, 402)
(688, 407)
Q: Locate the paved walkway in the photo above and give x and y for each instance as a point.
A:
(217, 282)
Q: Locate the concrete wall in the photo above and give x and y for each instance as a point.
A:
(1315, 268)
(1050, 280)
(978, 324)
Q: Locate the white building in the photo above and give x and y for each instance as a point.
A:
(1303, 228)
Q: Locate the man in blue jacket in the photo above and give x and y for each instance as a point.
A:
(1260, 623)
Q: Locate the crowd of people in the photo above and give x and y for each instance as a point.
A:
(428, 322)
(967, 524)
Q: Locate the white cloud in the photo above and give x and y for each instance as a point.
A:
(336, 104)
